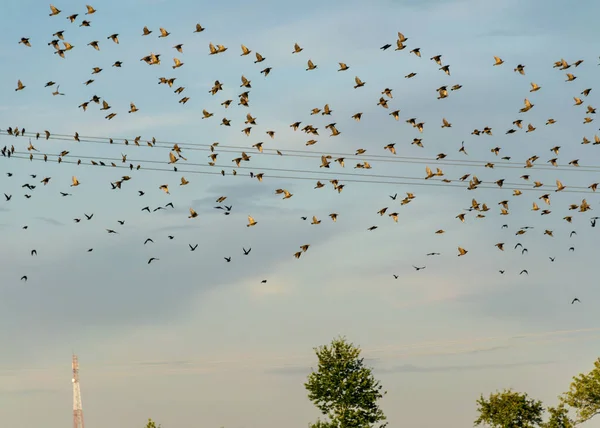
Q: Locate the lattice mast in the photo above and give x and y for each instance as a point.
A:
(77, 409)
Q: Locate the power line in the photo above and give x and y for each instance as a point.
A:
(299, 171)
(502, 164)
(424, 182)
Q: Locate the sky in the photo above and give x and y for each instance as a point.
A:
(190, 338)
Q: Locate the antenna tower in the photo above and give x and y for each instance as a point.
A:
(77, 409)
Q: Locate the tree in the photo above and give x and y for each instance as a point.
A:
(509, 409)
(344, 389)
(152, 424)
(584, 394)
(559, 418)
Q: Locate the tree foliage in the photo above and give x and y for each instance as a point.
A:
(559, 418)
(344, 389)
(509, 409)
(584, 394)
(152, 424)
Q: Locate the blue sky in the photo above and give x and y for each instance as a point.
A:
(191, 337)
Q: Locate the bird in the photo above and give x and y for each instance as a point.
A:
(56, 92)
(359, 83)
(177, 63)
(54, 10)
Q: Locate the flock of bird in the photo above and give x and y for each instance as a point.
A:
(175, 158)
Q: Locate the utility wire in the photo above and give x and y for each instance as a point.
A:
(424, 182)
(502, 164)
(505, 185)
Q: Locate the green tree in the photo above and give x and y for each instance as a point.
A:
(509, 409)
(559, 418)
(152, 424)
(344, 389)
(584, 394)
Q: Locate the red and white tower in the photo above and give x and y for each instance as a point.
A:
(77, 409)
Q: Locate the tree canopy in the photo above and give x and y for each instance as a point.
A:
(584, 394)
(559, 418)
(509, 409)
(344, 389)
(152, 424)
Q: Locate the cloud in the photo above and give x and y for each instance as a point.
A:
(505, 33)
(274, 286)
(29, 391)
(165, 363)
(531, 302)
(490, 349)
(292, 370)
(51, 221)
(427, 4)
(378, 363)
(252, 198)
(245, 195)
(410, 368)
(135, 293)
